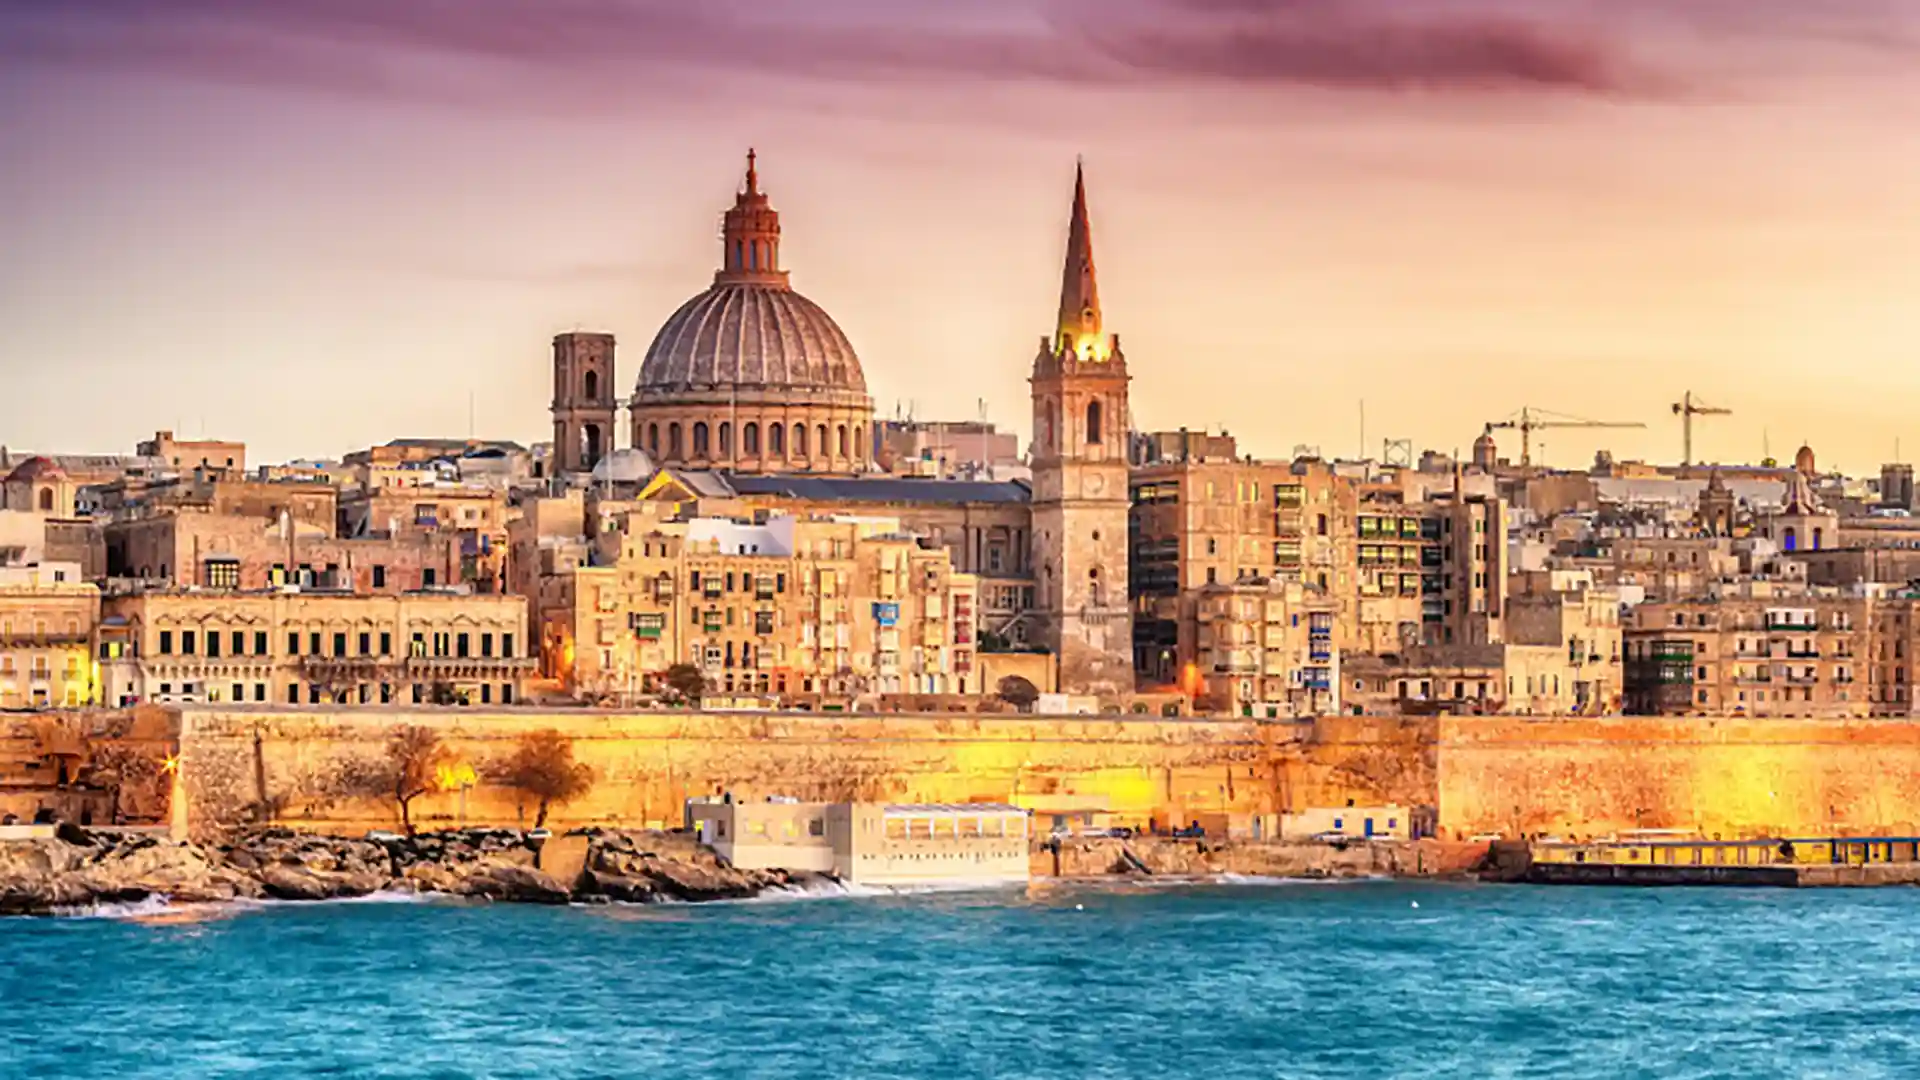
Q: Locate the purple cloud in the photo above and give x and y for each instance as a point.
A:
(377, 47)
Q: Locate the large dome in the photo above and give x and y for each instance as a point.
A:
(750, 376)
(755, 339)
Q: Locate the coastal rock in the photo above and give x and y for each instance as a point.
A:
(518, 884)
(284, 882)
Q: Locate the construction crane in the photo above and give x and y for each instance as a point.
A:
(1529, 420)
(1686, 409)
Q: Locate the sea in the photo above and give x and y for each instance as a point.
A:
(1215, 981)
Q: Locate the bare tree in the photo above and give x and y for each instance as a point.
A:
(543, 767)
(684, 684)
(1018, 692)
(409, 769)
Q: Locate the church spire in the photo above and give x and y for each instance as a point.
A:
(1079, 331)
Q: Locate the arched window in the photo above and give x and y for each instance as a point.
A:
(843, 440)
(673, 440)
(820, 439)
(591, 385)
(799, 440)
(46, 498)
(1788, 542)
(1818, 536)
(700, 438)
(1093, 422)
(739, 253)
(750, 438)
(653, 439)
(777, 440)
(726, 437)
(859, 441)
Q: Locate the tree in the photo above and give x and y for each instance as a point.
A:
(684, 684)
(414, 757)
(543, 767)
(443, 693)
(1018, 692)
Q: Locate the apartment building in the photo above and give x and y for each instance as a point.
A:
(1267, 647)
(48, 618)
(1757, 649)
(782, 606)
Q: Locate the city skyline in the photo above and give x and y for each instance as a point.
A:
(1448, 211)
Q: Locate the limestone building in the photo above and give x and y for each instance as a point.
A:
(288, 647)
(803, 610)
(48, 618)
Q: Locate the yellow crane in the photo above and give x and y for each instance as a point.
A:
(1529, 420)
(1686, 409)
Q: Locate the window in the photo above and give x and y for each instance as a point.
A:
(1093, 422)
(726, 437)
(187, 643)
(293, 644)
(506, 693)
(239, 643)
(379, 576)
(506, 645)
(293, 693)
(366, 643)
(428, 577)
(313, 644)
(166, 643)
(239, 692)
(820, 440)
(213, 643)
(843, 440)
(749, 438)
(339, 644)
(653, 447)
(460, 646)
(777, 440)
(222, 573)
(486, 645)
(800, 440)
(260, 692)
(700, 448)
(590, 384)
(386, 643)
(673, 439)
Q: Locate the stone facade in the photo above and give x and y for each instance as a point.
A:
(49, 615)
(794, 609)
(295, 648)
(583, 400)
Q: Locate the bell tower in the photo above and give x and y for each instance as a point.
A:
(1080, 497)
(583, 401)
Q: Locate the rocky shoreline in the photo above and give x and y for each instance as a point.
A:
(77, 869)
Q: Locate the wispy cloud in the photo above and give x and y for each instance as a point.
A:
(413, 47)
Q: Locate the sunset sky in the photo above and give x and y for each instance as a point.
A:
(319, 224)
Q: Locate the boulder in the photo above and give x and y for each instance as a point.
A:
(518, 884)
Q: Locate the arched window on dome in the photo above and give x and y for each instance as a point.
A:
(590, 384)
(820, 439)
(673, 441)
(653, 439)
(1093, 422)
(777, 440)
(700, 438)
(750, 438)
(46, 498)
(739, 254)
(726, 437)
(799, 440)
(843, 440)
(859, 442)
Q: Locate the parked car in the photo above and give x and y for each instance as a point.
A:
(1332, 836)
(1194, 831)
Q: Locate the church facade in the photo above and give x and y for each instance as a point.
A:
(751, 398)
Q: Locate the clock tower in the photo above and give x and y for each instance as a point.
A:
(1080, 497)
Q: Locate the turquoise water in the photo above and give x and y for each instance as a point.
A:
(1213, 982)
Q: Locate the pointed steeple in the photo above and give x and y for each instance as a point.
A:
(1079, 330)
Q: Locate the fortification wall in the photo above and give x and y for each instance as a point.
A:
(300, 763)
(1587, 777)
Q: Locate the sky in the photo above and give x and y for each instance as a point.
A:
(320, 224)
